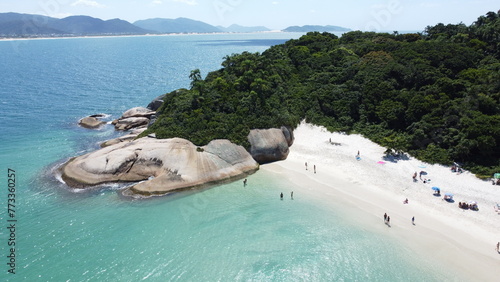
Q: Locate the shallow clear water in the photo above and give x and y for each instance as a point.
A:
(223, 233)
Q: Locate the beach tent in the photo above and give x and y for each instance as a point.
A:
(448, 197)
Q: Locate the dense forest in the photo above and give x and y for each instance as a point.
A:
(434, 95)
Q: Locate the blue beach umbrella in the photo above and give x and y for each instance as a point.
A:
(449, 194)
(435, 188)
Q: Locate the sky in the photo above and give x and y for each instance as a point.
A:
(366, 15)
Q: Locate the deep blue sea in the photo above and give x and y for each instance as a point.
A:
(226, 233)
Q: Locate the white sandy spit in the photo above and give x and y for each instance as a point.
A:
(461, 240)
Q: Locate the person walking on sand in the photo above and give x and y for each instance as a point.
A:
(413, 220)
(314, 168)
(306, 165)
(498, 247)
(291, 195)
(388, 220)
(385, 217)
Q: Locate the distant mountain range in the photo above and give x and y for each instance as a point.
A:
(28, 25)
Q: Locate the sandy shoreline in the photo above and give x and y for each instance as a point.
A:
(462, 241)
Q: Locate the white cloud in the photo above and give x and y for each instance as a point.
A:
(88, 3)
(156, 2)
(189, 2)
(275, 3)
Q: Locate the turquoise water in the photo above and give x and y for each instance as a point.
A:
(225, 233)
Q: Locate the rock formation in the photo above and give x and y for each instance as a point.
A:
(165, 165)
(133, 118)
(270, 145)
(125, 138)
(156, 103)
(91, 122)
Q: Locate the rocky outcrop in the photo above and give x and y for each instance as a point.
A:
(156, 103)
(270, 145)
(138, 112)
(133, 118)
(165, 165)
(131, 122)
(125, 138)
(91, 122)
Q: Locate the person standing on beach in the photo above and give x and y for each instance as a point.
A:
(498, 247)
(306, 165)
(385, 217)
(388, 219)
(245, 182)
(291, 195)
(314, 168)
(281, 195)
(413, 220)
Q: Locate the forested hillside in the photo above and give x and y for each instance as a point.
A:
(435, 94)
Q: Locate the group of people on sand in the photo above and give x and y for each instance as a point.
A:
(497, 182)
(465, 206)
(387, 219)
(425, 180)
(456, 169)
(314, 167)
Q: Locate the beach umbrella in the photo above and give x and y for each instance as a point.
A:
(422, 166)
(435, 188)
(472, 203)
(449, 194)
(381, 162)
(496, 175)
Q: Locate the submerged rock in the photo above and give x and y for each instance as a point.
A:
(165, 165)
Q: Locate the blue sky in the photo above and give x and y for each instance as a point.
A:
(377, 15)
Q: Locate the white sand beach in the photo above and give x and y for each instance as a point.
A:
(462, 241)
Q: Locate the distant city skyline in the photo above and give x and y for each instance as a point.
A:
(366, 15)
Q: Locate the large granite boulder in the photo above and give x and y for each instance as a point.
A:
(133, 118)
(288, 133)
(156, 103)
(165, 165)
(131, 122)
(138, 112)
(125, 138)
(91, 122)
(269, 145)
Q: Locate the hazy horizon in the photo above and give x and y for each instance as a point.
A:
(366, 15)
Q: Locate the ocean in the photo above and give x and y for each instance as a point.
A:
(225, 233)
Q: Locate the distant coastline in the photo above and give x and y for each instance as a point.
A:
(132, 35)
